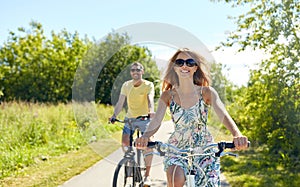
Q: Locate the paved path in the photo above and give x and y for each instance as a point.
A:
(101, 174)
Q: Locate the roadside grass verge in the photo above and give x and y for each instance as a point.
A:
(40, 144)
(59, 169)
(251, 169)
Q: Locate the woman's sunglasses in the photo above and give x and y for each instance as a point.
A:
(188, 62)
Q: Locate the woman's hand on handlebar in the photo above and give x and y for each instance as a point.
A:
(240, 142)
(141, 142)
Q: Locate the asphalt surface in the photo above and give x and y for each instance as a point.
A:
(101, 174)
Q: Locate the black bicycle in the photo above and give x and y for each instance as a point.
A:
(130, 171)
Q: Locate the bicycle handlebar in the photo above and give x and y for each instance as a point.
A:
(164, 148)
(142, 118)
(116, 120)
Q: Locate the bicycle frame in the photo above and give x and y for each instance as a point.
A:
(217, 149)
(189, 155)
(130, 148)
(134, 169)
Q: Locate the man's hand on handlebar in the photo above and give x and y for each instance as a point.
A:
(112, 119)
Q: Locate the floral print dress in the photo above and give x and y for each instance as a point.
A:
(191, 131)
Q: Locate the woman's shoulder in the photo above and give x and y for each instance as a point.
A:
(208, 89)
(167, 95)
(208, 93)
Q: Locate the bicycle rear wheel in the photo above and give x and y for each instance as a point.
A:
(127, 174)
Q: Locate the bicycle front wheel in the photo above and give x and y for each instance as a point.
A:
(127, 174)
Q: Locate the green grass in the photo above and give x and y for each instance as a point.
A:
(59, 169)
(251, 169)
(37, 134)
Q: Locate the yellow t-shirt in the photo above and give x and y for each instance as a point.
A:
(137, 100)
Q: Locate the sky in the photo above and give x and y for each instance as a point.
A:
(203, 19)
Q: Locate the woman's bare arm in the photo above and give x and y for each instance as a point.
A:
(212, 98)
(155, 122)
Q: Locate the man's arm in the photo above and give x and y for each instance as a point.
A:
(119, 105)
(150, 97)
(151, 104)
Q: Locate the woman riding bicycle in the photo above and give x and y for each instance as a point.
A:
(187, 93)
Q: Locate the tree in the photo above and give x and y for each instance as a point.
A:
(271, 113)
(223, 86)
(34, 68)
(105, 68)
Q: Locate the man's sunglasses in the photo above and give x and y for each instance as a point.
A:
(188, 62)
(137, 70)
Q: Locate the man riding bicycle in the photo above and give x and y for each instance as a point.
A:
(139, 94)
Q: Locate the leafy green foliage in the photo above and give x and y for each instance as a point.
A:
(266, 24)
(269, 109)
(117, 70)
(34, 68)
(226, 90)
(106, 67)
(272, 105)
(224, 87)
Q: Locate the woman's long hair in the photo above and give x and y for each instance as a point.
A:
(201, 76)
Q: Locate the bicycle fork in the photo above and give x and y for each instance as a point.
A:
(133, 173)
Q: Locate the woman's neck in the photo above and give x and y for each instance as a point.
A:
(187, 94)
(187, 86)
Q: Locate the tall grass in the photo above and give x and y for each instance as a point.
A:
(32, 133)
